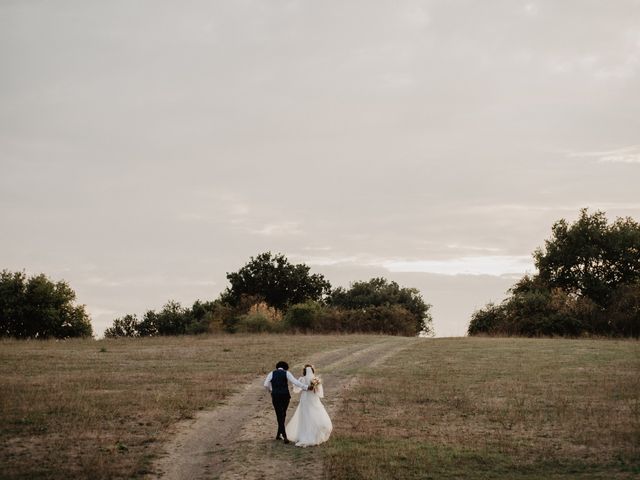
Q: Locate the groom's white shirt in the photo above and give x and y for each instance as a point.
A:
(290, 377)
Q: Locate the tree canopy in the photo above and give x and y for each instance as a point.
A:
(591, 257)
(276, 280)
(36, 307)
(380, 292)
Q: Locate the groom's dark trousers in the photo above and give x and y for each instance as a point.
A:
(280, 397)
(280, 404)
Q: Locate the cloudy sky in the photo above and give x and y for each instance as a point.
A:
(148, 147)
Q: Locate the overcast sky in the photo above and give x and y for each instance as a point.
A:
(149, 147)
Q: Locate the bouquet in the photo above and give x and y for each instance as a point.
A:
(315, 381)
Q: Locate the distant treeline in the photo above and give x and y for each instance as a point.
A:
(269, 294)
(588, 283)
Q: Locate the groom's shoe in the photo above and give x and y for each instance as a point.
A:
(278, 437)
(286, 440)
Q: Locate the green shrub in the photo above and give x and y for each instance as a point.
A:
(202, 325)
(303, 317)
(254, 323)
(385, 319)
(487, 320)
(623, 315)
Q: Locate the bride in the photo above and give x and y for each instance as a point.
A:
(310, 424)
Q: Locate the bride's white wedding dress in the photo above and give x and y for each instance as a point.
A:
(310, 424)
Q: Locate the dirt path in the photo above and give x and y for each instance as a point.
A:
(235, 441)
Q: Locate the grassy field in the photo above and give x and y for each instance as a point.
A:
(475, 408)
(483, 408)
(100, 409)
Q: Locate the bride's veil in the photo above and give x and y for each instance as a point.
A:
(305, 378)
(308, 376)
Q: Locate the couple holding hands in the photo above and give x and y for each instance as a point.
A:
(310, 424)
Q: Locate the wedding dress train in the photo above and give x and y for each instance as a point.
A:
(310, 424)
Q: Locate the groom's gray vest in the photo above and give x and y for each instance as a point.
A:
(279, 383)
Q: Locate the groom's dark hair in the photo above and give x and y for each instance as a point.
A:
(283, 365)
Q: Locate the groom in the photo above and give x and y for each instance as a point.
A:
(277, 382)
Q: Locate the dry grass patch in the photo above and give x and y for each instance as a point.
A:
(494, 408)
(99, 409)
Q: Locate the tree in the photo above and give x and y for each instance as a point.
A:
(379, 292)
(173, 319)
(201, 315)
(147, 326)
(127, 326)
(590, 257)
(588, 283)
(36, 307)
(277, 281)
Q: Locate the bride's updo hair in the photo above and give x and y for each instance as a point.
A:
(304, 370)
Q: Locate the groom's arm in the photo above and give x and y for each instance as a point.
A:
(295, 381)
(267, 382)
